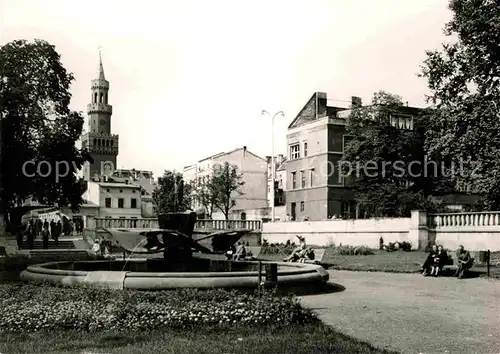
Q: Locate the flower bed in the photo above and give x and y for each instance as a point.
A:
(42, 307)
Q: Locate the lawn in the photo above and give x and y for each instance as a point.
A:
(382, 261)
(295, 339)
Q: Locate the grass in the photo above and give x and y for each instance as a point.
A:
(382, 261)
(299, 339)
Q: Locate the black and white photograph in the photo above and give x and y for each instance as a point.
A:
(301, 176)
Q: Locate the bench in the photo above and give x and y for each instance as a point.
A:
(452, 263)
(319, 253)
(255, 250)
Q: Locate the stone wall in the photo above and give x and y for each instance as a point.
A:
(475, 231)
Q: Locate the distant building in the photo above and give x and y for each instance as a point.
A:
(280, 180)
(254, 173)
(115, 200)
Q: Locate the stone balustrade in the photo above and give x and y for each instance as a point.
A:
(463, 219)
(152, 223)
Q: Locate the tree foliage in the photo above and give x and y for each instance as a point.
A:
(205, 194)
(219, 188)
(387, 164)
(464, 79)
(38, 125)
(171, 194)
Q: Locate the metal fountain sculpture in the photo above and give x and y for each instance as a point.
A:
(174, 238)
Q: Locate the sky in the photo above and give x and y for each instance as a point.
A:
(189, 79)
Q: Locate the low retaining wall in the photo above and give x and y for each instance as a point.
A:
(475, 231)
(347, 232)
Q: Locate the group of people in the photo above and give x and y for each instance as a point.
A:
(438, 258)
(301, 252)
(35, 228)
(101, 247)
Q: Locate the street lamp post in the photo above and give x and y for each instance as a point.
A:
(273, 164)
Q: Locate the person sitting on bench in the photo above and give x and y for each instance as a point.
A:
(440, 259)
(299, 252)
(464, 261)
(240, 253)
(429, 261)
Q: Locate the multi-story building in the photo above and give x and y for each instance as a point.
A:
(144, 179)
(101, 144)
(253, 169)
(115, 199)
(316, 140)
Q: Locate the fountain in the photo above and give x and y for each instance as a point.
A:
(185, 262)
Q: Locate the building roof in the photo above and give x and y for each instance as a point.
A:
(220, 154)
(118, 185)
(282, 165)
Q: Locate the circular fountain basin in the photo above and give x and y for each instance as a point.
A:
(156, 274)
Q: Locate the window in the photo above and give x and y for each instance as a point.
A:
(311, 177)
(120, 203)
(305, 149)
(107, 202)
(303, 179)
(121, 190)
(133, 203)
(294, 180)
(133, 190)
(233, 202)
(302, 206)
(107, 190)
(294, 151)
(122, 217)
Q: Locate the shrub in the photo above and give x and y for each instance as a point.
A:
(44, 308)
(277, 248)
(398, 246)
(345, 250)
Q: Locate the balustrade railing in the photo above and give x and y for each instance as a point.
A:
(93, 223)
(464, 219)
(229, 224)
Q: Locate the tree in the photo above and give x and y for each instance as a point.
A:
(464, 79)
(225, 182)
(38, 128)
(171, 194)
(205, 194)
(387, 163)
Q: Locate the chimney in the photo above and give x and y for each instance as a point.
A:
(268, 159)
(244, 150)
(321, 110)
(281, 158)
(356, 102)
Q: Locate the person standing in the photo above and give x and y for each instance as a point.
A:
(45, 224)
(58, 230)
(52, 228)
(45, 238)
(31, 234)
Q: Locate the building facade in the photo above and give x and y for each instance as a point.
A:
(253, 169)
(279, 182)
(101, 144)
(316, 140)
(115, 200)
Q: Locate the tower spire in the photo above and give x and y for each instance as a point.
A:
(101, 68)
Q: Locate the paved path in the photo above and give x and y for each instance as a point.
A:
(414, 314)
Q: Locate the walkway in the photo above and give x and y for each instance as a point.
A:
(410, 313)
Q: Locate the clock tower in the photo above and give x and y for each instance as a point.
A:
(101, 144)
